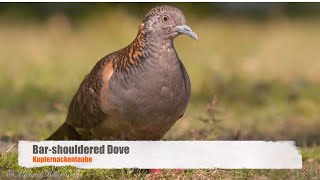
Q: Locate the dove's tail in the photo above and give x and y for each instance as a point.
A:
(65, 132)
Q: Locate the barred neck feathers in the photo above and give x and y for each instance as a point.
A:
(145, 45)
(132, 55)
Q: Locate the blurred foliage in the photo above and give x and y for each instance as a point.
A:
(75, 11)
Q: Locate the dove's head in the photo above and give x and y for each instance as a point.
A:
(167, 22)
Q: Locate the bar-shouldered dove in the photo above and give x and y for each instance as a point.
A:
(135, 93)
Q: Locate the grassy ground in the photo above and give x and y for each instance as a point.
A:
(250, 80)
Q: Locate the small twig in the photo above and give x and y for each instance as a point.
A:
(10, 148)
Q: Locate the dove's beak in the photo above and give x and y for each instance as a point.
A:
(184, 29)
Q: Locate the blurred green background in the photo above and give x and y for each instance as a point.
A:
(255, 72)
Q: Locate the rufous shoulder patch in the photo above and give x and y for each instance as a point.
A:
(107, 72)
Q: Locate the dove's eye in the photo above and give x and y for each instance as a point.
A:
(165, 18)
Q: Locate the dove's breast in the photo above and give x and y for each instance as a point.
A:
(147, 100)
